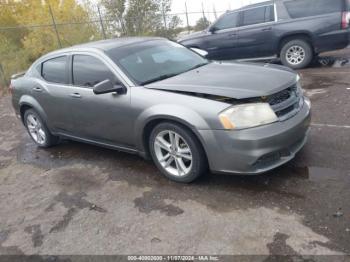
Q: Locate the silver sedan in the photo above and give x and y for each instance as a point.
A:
(158, 99)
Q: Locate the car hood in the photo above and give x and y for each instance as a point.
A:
(234, 80)
(192, 36)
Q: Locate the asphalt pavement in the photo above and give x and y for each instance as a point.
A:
(77, 199)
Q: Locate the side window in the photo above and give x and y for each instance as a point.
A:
(227, 21)
(55, 70)
(253, 16)
(270, 13)
(89, 71)
(305, 8)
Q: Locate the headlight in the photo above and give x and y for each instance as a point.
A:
(300, 88)
(308, 102)
(247, 116)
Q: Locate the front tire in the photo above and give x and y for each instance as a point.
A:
(37, 130)
(296, 54)
(177, 152)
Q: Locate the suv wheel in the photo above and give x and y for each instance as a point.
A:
(177, 153)
(38, 130)
(296, 54)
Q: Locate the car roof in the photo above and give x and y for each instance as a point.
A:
(253, 6)
(109, 44)
(106, 45)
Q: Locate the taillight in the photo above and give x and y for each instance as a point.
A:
(345, 23)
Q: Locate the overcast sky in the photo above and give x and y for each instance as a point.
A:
(178, 6)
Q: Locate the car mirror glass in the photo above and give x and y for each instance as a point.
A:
(107, 86)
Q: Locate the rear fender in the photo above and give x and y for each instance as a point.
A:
(27, 100)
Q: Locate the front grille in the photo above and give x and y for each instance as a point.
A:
(286, 103)
(285, 111)
(279, 97)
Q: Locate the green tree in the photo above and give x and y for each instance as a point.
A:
(19, 47)
(116, 11)
(171, 23)
(43, 40)
(12, 57)
(201, 24)
(141, 17)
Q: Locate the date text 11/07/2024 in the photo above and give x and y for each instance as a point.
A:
(173, 258)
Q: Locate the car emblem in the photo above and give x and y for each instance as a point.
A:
(264, 98)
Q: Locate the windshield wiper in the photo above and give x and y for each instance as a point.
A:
(196, 66)
(199, 65)
(158, 78)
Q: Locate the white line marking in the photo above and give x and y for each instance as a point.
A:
(333, 126)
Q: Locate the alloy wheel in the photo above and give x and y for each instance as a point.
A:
(35, 129)
(173, 153)
(295, 55)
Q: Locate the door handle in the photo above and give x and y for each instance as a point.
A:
(232, 35)
(267, 29)
(75, 95)
(37, 89)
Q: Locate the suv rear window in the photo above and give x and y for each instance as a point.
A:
(55, 70)
(258, 15)
(305, 8)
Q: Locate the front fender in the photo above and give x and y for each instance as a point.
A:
(182, 115)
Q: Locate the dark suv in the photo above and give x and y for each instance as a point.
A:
(292, 30)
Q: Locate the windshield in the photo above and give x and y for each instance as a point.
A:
(156, 60)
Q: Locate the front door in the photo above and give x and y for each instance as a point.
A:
(221, 41)
(102, 118)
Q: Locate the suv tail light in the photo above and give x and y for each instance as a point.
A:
(345, 20)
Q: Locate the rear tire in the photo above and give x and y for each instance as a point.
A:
(296, 54)
(177, 152)
(38, 130)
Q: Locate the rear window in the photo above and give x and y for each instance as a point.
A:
(55, 70)
(305, 8)
(258, 15)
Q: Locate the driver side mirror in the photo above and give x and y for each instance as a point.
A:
(107, 86)
(200, 51)
(213, 29)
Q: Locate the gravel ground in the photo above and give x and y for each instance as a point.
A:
(77, 199)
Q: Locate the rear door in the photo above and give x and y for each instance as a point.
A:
(51, 93)
(256, 36)
(222, 42)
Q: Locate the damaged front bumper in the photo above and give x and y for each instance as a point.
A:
(257, 150)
